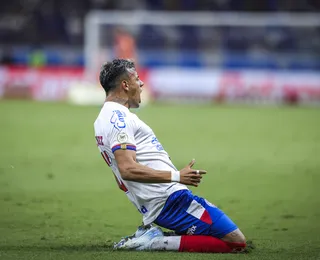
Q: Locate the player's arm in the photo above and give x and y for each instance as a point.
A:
(131, 170)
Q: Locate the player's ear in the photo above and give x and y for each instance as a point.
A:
(125, 85)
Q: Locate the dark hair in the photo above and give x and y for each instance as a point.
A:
(111, 72)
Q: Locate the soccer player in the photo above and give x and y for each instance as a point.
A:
(144, 171)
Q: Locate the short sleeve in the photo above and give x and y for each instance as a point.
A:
(122, 135)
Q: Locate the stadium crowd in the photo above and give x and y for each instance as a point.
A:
(55, 27)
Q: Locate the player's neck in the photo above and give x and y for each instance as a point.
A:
(117, 99)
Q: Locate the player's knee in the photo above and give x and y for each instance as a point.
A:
(236, 241)
(237, 247)
(236, 237)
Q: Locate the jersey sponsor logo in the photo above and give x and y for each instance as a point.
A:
(154, 140)
(157, 144)
(143, 210)
(122, 138)
(117, 119)
(191, 230)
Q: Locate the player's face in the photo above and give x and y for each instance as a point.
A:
(134, 89)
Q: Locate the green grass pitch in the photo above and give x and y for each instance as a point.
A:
(59, 200)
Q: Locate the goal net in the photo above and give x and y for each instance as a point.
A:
(206, 56)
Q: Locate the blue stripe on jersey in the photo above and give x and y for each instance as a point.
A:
(124, 147)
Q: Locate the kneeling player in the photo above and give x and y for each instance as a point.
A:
(198, 226)
(145, 172)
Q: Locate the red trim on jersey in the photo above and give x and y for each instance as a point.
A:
(106, 157)
(120, 184)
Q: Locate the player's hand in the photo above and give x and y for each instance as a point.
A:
(191, 176)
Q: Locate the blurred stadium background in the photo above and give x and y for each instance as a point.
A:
(210, 50)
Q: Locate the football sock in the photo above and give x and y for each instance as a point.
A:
(201, 244)
(167, 243)
(208, 244)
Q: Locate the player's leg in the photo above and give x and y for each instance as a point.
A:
(208, 229)
(235, 237)
(211, 229)
(235, 240)
(153, 239)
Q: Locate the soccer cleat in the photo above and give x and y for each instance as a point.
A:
(170, 234)
(140, 231)
(141, 240)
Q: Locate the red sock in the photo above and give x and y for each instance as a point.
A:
(208, 244)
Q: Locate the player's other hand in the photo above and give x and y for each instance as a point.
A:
(191, 176)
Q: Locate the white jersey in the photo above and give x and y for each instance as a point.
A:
(117, 128)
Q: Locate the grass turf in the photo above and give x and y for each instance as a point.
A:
(59, 200)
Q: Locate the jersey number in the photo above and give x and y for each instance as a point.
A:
(107, 159)
(99, 140)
